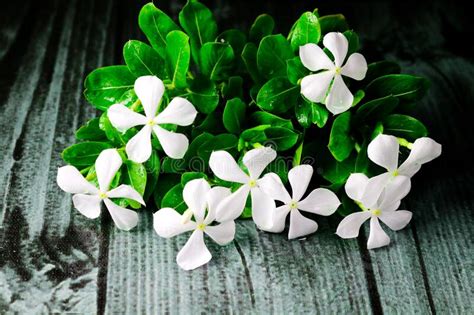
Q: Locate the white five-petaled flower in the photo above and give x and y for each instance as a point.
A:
(198, 196)
(384, 209)
(317, 87)
(225, 167)
(384, 150)
(320, 201)
(179, 111)
(88, 198)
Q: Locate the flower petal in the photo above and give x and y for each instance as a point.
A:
(339, 98)
(178, 112)
(279, 219)
(320, 201)
(257, 160)
(124, 219)
(299, 177)
(349, 226)
(263, 209)
(396, 220)
(232, 206)
(315, 86)
(174, 144)
(88, 205)
(123, 118)
(222, 233)
(396, 189)
(271, 185)
(139, 147)
(423, 151)
(355, 186)
(149, 90)
(374, 189)
(377, 236)
(224, 166)
(126, 191)
(338, 45)
(71, 180)
(300, 225)
(383, 151)
(355, 67)
(168, 222)
(314, 58)
(106, 166)
(214, 198)
(195, 196)
(194, 253)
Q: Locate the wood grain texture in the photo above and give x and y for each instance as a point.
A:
(48, 252)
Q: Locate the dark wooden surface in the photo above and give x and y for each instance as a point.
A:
(54, 260)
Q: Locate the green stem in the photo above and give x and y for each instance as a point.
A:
(405, 143)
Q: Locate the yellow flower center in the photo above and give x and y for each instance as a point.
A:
(376, 212)
(252, 183)
(201, 226)
(102, 195)
(395, 173)
(151, 122)
(293, 205)
(338, 70)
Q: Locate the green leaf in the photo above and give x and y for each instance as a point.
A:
(307, 113)
(233, 88)
(166, 182)
(404, 126)
(272, 54)
(249, 56)
(334, 171)
(407, 88)
(264, 118)
(84, 154)
(358, 96)
(216, 60)
(199, 23)
(104, 86)
(174, 199)
(153, 167)
(203, 95)
(234, 115)
(235, 38)
(278, 95)
(156, 25)
(381, 68)
(353, 40)
(376, 109)
(282, 139)
(90, 131)
(223, 141)
(362, 160)
(253, 135)
(143, 60)
(212, 123)
(191, 153)
(177, 57)
(262, 27)
(115, 136)
(279, 166)
(340, 142)
(135, 176)
(333, 23)
(188, 176)
(306, 30)
(295, 70)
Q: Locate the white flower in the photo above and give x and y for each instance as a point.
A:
(224, 166)
(317, 87)
(88, 198)
(198, 196)
(384, 150)
(179, 111)
(320, 201)
(385, 209)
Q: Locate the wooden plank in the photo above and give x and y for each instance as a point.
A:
(259, 272)
(12, 19)
(49, 253)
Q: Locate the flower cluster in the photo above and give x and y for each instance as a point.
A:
(201, 126)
